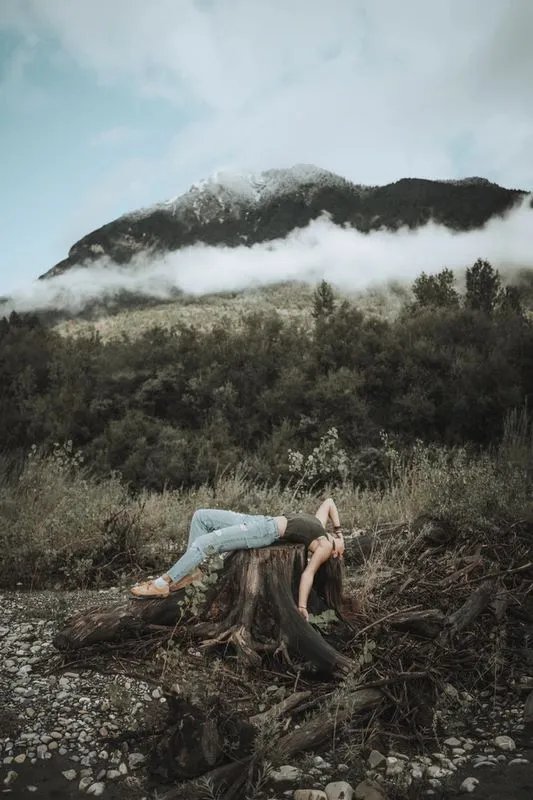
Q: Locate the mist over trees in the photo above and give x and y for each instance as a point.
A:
(177, 408)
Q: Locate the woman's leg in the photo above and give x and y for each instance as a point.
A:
(205, 520)
(205, 539)
(252, 531)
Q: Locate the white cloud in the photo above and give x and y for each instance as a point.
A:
(345, 257)
(374, 89)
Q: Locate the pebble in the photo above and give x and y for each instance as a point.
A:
(113, 774)
(505, 743)
(96, 788)
(78, 715)
(11, 777)
(284, 773)
(469, 785)
(136, 759)
(395, 766)
(376, 759)
(339, 790)
(452, 742)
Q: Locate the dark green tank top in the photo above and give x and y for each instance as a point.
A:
(303, 528)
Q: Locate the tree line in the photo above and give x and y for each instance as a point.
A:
(178, 407)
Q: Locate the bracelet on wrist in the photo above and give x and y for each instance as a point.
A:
(304, 607)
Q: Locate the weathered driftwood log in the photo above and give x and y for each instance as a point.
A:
(197, 739)
(308, 736)
(358, 549)
(281, 708)
(427, 623)
(471, 608)
(431, 531)
(252, 606)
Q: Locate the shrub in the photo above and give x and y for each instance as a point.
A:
(55, 518)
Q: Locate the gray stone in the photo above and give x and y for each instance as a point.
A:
(469, 785)
(376, 759)
(69, 774)
(514, 761)
(417, 771)
(42, 750)
(309, 794)
(113, 774)
(20, 759)
(11, 777)
(394, 766)
(136, 759)
(285, 773)
(452, 742)
(436, 772)
(505, 743)
(339, 790)
(96, 788)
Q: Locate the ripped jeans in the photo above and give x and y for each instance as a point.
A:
(215, 531)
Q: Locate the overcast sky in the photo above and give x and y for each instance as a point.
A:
(108, 105)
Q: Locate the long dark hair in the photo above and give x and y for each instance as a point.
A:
(328, 584)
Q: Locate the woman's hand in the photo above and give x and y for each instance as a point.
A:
(303, 611)
(338, 546)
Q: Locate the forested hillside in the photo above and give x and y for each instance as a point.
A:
(179, 406)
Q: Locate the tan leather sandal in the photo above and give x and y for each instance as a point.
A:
(186, 581)
(149, 588)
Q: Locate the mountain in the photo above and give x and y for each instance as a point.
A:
(230, 209)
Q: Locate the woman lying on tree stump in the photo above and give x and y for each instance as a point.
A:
(215, 531)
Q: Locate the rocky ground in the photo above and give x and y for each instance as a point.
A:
(60, 734)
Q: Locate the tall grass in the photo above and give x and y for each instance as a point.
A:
(57, 519)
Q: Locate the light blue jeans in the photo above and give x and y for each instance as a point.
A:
(215, 531)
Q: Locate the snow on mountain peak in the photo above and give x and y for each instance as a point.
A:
(234, 190)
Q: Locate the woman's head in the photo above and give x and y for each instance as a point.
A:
(328, 583)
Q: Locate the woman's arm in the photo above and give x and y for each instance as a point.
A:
(328, 510)
(321, 554)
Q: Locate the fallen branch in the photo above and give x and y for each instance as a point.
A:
(470, 609)
(234, 776)
(280, 708)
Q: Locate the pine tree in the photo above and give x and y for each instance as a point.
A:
(323, 301)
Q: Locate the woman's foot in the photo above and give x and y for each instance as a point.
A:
(159, 587)
(163, 586)
(186, 581)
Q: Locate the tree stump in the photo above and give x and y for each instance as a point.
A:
(252, 606)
